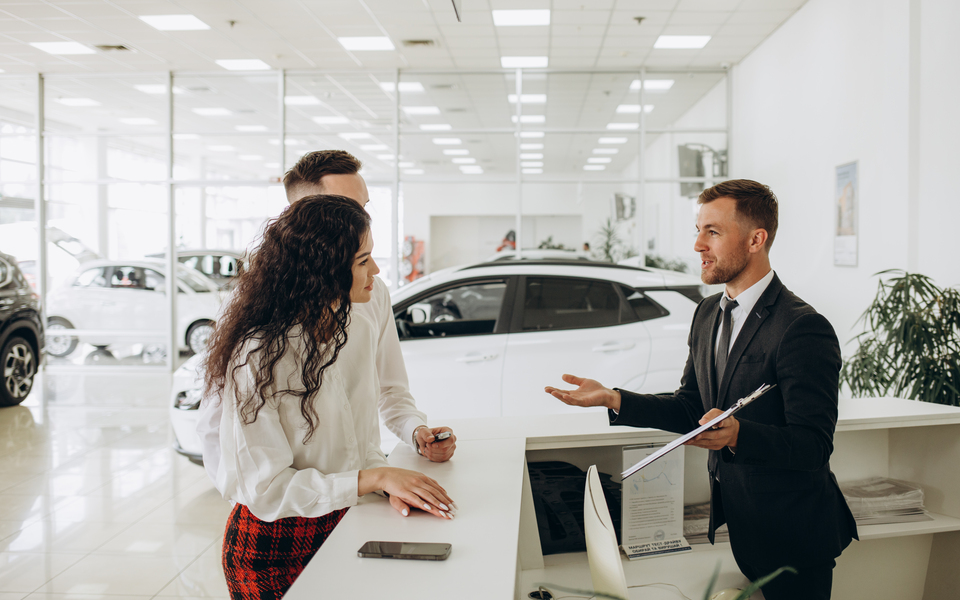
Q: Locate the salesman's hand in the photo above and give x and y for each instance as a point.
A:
(433, 450)
(588, 393)
(725, 434)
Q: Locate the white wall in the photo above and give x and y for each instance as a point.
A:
(829, 87)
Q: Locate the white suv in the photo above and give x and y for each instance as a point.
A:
(483, 340)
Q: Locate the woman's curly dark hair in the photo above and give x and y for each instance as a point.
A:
(300, 275)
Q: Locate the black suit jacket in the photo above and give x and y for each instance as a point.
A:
(777, 494)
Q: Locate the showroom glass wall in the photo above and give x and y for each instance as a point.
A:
(452, 160)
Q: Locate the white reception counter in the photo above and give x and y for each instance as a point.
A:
(496, 547)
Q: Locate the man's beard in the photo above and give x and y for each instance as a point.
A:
(728, 271)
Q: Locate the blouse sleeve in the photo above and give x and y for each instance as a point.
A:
(257, 465)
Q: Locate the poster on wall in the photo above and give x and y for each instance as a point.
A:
(847, 200)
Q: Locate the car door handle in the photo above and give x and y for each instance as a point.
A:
(614, 346)
(477, 357)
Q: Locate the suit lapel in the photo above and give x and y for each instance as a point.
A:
(706, 364)
(750, 327)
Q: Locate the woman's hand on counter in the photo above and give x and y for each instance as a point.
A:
(408, 489)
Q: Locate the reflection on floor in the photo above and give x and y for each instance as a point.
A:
(93, 501)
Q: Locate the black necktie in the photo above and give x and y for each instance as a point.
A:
(724, 348)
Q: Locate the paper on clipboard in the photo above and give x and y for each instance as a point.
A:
(689, 436)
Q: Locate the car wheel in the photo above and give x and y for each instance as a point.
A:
(19, 365)
(198, 335)
(59, 344)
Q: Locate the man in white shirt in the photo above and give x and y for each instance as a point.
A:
(337, 172)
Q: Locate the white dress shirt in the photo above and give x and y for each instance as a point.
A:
(745, 303)
(370, 377)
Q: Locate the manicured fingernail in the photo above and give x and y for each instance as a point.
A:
(405, 512)
(450, 515)
(454, 505)
(444, 515)
(426, 507)
(443, 506)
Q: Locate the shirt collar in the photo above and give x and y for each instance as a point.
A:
(748, 297)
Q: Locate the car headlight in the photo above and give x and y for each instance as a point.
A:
(188, 400)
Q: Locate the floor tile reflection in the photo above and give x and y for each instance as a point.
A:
(94, 503)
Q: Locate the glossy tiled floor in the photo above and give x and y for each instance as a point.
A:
(94, 503)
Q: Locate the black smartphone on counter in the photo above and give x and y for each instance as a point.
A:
(405, 550)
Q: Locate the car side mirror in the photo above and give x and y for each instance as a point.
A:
(417, 315)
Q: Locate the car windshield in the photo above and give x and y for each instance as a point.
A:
(195, 281)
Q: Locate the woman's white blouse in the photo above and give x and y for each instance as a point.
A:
(266, 465)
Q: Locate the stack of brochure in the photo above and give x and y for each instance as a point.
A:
(880, 500)
(696, 522)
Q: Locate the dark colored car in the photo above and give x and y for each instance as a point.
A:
(21, 333)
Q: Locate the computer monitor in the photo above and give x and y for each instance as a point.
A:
(603, 553)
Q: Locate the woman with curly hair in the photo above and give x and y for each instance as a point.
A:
(297, 450)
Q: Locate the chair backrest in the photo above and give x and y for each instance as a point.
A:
(603, 553)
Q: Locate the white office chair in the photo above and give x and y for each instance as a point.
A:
(603, 553)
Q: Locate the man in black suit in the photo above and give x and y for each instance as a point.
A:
(769, 466)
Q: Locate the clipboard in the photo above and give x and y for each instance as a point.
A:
(763, 389)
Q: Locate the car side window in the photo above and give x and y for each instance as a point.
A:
(644, 307)
(227, 266)
(470, 309)
(552, 303)
(155, 281)
(91, 278)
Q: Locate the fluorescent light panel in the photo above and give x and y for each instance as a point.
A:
(464, 161)
(447, 141)
(456, 152)
(421, 110)
(250, 157)
(365, 44)
(78, 102)
(531, 156)
(531, 146)
(605, 150)
(652, 85)
(521, 18)
(535, 163)
(174, 22)
(519, 62)
(471, 170)
(681, 42)
(213, 111)
(594, 167)
(528, 98)
(599, 160)
(301, 100)
(532, 171)
(436, 127)
(612, 140)
(531, 134)
(137, 121)
(413, 171)
(243, 64)
(355, 135)
(529, 118)
(221, 148)
(330, 120)
(624, 126)
(405, 86)
(633, 108)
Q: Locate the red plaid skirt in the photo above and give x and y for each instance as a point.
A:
(262, 559)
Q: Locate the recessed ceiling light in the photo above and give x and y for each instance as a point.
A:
(186, 136)
(599, 160)
(447, 141)
(623, 125)
(652, 85)
(605, 150)
(531, 156)
(361, 44)
(633, 108)
(250, 157)
(386, 157)
(471, 170)
(521, 18)
(612, 140)
(456, 152)
(251, 128)
(301, 100)
(374, 147)
(355, 135)
(331, 120)
(535, 163)
(405, 86)
(78, 102)
(436, 127)
(157, 88)
(519, 62)
(527, 98)
(464, 161)
(174, 22)
(243, 64)
(405, 165)
(594, 167)
(421, 110)
(213, 112)
(531, 146)
(675, 42)
(413, 171)
(221, 148)
(532, 171)
(138, 121)
(531, 134)
(63, 48)
(529, 118)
